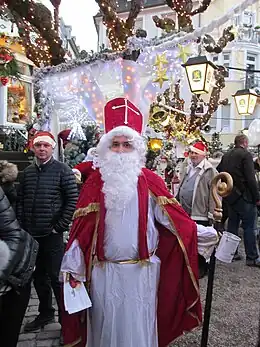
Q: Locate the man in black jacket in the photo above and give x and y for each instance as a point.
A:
(18, 252)
(244, 198)
(46, 203)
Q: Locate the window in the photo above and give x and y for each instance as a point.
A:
(225, 118)
(248, 18)
(213, 122)
(251, 60)
(171, 15)
(226, 61)
(19, 101)
(222, 59)
(24, 68)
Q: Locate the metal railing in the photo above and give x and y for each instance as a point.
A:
(247, 34)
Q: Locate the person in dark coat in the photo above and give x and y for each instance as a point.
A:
(8, 175)
(46, 202)
(18, 252)
(244, 198)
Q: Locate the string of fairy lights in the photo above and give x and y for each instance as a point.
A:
(118, 29)
(34, 33)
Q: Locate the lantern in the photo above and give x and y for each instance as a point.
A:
(200, 73)
(245, 101)
(155, 144)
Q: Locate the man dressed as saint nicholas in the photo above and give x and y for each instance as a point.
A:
(133, 247)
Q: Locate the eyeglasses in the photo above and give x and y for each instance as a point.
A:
(126, 144)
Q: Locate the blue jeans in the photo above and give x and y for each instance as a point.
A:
(246, 212)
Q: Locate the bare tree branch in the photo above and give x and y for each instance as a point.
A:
(39, 17)
(118, 29)
(202, 8)
(183, 9)
(136, 6)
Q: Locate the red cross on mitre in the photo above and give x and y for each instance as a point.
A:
(121, 111)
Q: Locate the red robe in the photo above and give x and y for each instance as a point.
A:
(85, 168)
(179, 307)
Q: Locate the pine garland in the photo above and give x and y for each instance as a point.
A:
(75, 151)
(8, 64)
(215, 144)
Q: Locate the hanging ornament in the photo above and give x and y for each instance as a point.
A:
(4, 80)
(161, 60)
(161, 72)
(76, 132)
(184, 53)
(161, 77)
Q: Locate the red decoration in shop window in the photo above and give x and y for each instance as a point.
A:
(4, 80)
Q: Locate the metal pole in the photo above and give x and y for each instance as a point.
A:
(208, 303)
(222, 185)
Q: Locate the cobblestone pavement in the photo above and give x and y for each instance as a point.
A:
(234, 319)
(235, 308)
(47, 337)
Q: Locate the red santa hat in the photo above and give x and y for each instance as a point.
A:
(63, 135)
(44, 136)
(122, 112)
(199, 148)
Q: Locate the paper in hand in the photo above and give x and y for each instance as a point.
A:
(76, 297)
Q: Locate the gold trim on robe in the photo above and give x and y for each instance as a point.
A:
(163, 200)
(93, 250)
(193, 279)
(81, 212)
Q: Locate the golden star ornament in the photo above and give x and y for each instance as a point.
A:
(161, 77)
(161, 60)
(184, 53)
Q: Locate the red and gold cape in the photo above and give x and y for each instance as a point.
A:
(179, 307)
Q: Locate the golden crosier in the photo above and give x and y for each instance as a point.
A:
(222, 185)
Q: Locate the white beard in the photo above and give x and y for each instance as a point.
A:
(119, 172)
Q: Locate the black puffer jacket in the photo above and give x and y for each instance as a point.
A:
(18, 249)
(239, 164)
(47, 198)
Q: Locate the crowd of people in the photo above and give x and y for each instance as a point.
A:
(134, 250)
(239, 208)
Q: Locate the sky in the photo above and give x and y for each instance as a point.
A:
(79, 14)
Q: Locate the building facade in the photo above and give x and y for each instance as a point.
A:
(65, 31)
(16, 97)
(243, 53)
(69, 41)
